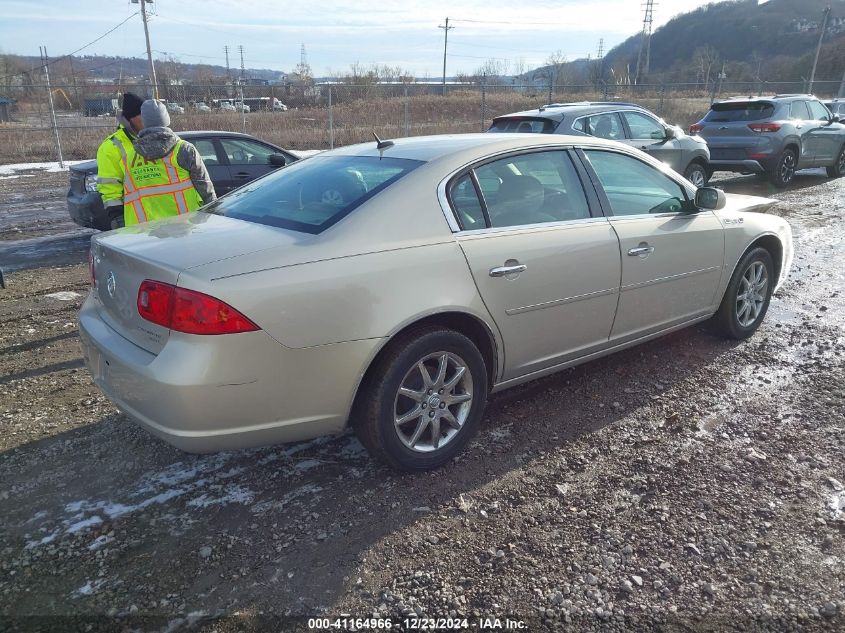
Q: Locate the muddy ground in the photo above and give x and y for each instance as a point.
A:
(691, 483)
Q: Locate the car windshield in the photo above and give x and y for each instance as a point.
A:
(311, 195)
(537, 126)
(740, 111)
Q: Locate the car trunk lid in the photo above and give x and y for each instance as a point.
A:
(161, 251)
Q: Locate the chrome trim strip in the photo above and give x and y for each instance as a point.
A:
(557, 302)
(531, 228)
(670, 278)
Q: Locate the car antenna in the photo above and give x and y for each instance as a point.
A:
(381, 145)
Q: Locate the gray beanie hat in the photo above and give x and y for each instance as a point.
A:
(154, 114)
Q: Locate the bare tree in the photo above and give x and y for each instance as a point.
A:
(705, 59)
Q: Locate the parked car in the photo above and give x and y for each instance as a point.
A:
(227, 106)
(392, 286)
(175, 108)
(836, 107)
(241, 107)
(624, 122)
(774, 136)
(200, 106)
(232, 160)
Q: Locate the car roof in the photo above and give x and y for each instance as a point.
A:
(557, 111)
(465, 147)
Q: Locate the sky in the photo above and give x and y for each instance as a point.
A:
(336, 33)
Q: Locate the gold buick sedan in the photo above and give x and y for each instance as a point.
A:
(392, 286)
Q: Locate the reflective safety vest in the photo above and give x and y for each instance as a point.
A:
(156, 188)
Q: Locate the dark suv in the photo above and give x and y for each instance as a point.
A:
(624, 122)
(773, 135)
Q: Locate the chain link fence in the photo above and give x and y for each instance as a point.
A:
(327, 115)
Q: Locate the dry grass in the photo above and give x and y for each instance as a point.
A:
(308, 128)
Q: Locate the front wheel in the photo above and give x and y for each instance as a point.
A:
(784, 170)
(746, 299)
(696, 174)
(837, 170)
(423, 400)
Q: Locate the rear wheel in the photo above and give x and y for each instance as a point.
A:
(784, 170)
(837, 170)
(746, 299)
(422, 402)
(696, 174)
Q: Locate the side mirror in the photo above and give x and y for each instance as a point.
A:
(278, 160)
(835, 119)
(670, 133)
(710, 198)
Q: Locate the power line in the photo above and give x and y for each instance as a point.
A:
(81, 48)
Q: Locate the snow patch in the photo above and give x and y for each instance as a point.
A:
(90, 587)
(84, 523)
(232, 494)
(99, 542)
(7, 170)
(64, 295)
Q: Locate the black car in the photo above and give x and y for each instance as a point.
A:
(232, 160)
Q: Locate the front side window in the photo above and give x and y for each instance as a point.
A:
(313, 194)
(818, 111)
(644, 127)
(635, 188)
(241, 152)
(532, 189)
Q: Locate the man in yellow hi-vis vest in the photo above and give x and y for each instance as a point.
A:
(109, 164)
(163, 175)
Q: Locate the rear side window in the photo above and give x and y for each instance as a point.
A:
(534, 188)
(521, 124)
(606, 125)
(798, 110)
(313, 194)
(739, 111)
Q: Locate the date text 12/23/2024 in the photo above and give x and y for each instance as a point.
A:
(345, 623)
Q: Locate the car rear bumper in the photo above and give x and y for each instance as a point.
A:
(86, 209)
(744, 166)
(204, 394)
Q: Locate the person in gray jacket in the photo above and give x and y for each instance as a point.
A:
(164, 175)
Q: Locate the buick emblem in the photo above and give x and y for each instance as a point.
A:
(111, 284)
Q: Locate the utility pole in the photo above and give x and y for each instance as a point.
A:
(644, 56)
(149, 48)
(818, 48)
(600, 58)
(445, 44)
(241, 51)
(841, 92)
(42, 50)
(228, 74)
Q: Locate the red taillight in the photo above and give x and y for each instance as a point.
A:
(764, 127)
(695, 128)
(189, 311)
(92, 275)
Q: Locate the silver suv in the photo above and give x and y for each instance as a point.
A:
(625, 122)
(774, 136)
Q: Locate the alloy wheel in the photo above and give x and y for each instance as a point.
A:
(433, 402)
(787, 167)
(751, 296)
(698, 178)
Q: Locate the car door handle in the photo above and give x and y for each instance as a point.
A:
(504, 271)
(241, 175)
(641, 250)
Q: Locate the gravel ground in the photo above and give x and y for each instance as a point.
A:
(688, 484)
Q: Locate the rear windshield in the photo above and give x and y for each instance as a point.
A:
(537, 126)
(310, 195)
(740, 111)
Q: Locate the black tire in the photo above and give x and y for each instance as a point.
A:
(726, 319)
(697, 174)
(784, 170)
(375, 411)
(837, 170)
